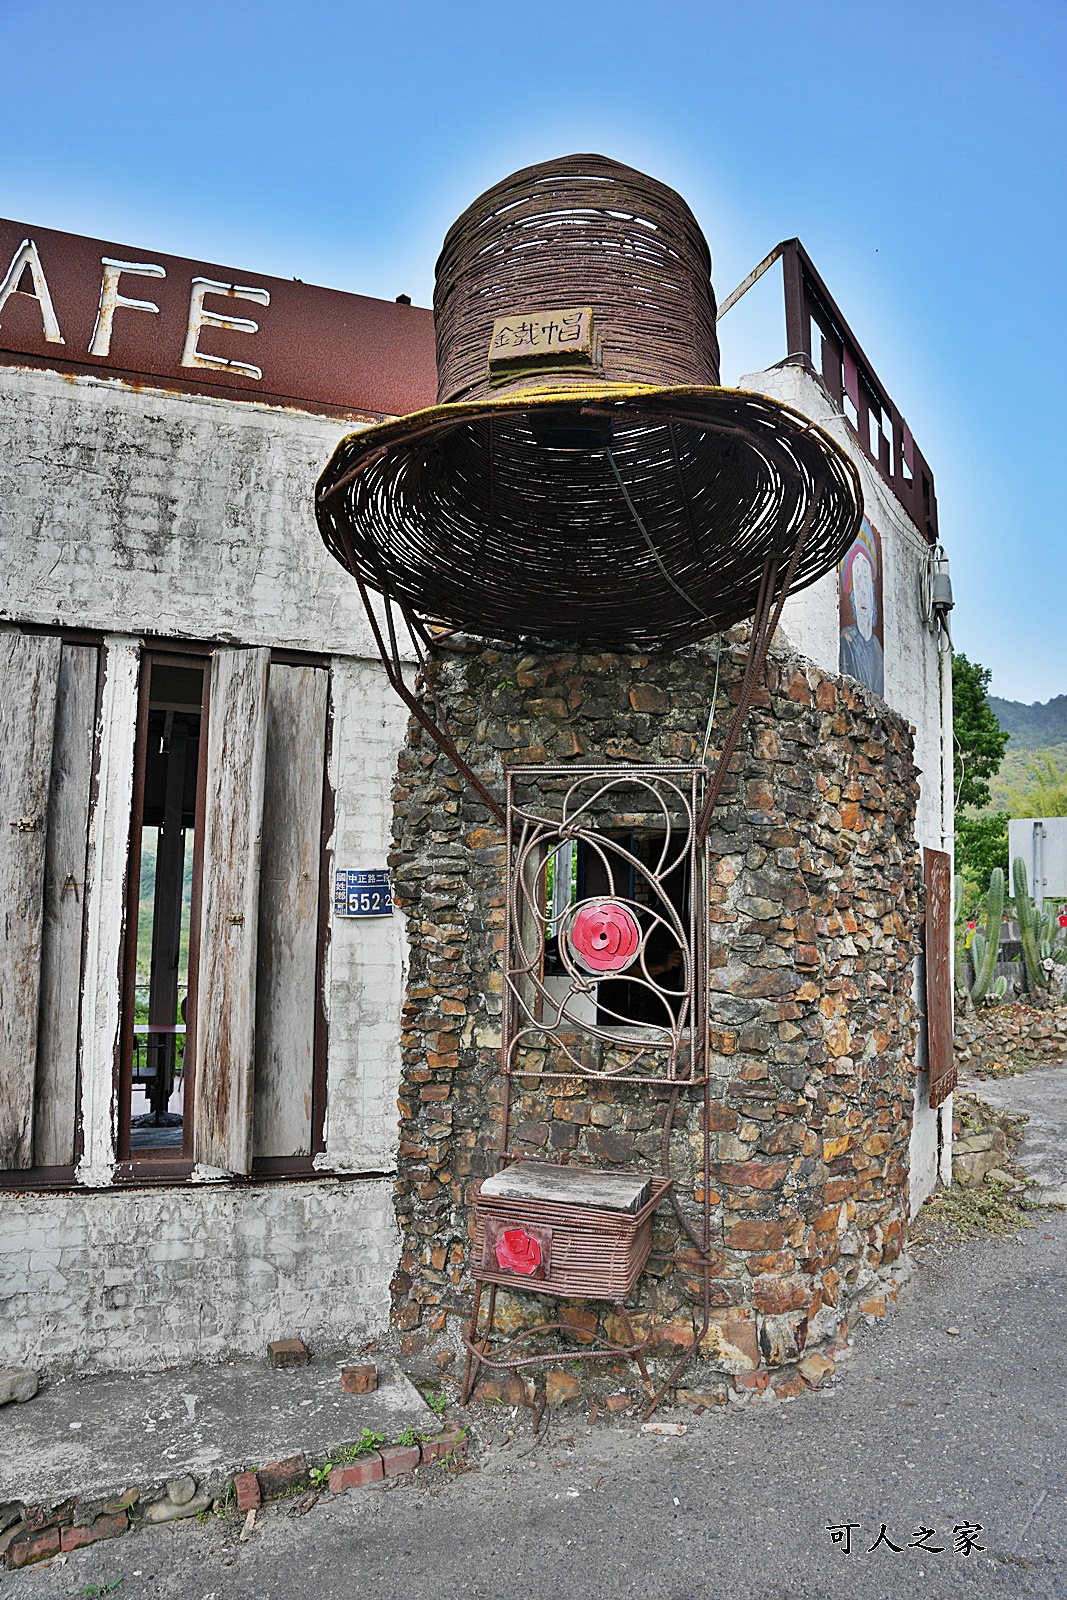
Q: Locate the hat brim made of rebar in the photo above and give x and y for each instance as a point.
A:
(619, 516)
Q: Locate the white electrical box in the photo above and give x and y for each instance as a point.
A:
(1042, 843)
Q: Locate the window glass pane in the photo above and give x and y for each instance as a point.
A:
(168, 826)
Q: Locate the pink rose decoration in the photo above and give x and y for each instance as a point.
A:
(517, 1252)
(605, 936)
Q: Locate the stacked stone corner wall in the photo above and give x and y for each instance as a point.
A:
(815, 901)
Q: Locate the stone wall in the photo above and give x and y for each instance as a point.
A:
(814, 905)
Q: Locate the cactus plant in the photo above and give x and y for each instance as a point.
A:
(959, 943)
(985, 946)
(1044, 947)
(1031, 927)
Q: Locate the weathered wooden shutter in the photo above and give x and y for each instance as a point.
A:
(226, 973)
(64, 907)
(29, 681)
(286, 996)
(937, 872)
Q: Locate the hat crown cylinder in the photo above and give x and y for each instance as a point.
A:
(583, 231)
(583, 478)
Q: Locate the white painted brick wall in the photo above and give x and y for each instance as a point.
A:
(367, 956)
(124, 1280)
(168, 514)
(177, 515)
(912, 674)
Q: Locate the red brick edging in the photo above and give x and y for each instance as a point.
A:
(43, 1534)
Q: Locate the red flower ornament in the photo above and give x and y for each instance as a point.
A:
(1063, 919)
(605, 936)
(517, 1252)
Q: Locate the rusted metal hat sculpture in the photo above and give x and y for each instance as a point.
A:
(583, 478)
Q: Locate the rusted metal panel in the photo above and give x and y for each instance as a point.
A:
(64, 907)
(29, 678)
(937, 871)
(851, 377)
(797, 324)
(289, 888)
(226, 986)
(833, 366)
(89, 305)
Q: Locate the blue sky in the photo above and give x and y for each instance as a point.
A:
(917, 149)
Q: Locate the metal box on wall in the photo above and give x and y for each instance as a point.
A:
(557, 1232)
(1042, 843)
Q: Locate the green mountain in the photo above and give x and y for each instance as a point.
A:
(1032, 727)
(1034, 769)
(1025, 780)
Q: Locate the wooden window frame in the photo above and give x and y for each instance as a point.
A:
(268, 1167)
(41, 1175)
(129, 1166)
(170, 1170)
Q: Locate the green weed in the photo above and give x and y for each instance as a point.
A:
(228, 1502)
(993, 1209)
(343, 1453)
(455, 1459)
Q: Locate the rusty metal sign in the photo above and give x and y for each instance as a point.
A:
(937, 872)
(541, 341)
(82, 305)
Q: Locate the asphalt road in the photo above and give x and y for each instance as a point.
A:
(924, 1429)
(1042, 1094)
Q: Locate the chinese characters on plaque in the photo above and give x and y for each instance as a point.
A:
(534, 341)
(362, 892)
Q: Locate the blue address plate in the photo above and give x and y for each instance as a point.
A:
(362, 892)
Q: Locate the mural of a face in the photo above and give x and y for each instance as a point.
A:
(861, 632)
(863, 610)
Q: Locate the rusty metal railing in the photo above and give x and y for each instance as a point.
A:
(815, 327)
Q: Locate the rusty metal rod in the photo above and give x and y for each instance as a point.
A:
(763, 632)
(395, 674)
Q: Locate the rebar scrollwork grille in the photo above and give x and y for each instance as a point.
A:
(605, 947)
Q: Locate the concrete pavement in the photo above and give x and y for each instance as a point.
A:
(1042, 1094)
(924, 1429)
